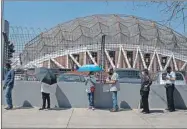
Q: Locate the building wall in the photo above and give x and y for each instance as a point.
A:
(139, 65)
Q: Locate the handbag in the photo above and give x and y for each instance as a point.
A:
(92, 89)
(146, 88)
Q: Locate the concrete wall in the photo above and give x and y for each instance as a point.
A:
(69, 95)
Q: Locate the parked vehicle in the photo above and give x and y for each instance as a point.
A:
(185, 74)
(129, 75)
(19, 77)
(69, 77)
(160, 78)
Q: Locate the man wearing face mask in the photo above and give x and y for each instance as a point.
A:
(8, 85)
(114, 88)
(170, 86)
(144, 91)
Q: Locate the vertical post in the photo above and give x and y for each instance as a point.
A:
(102, 57)
(2, 40)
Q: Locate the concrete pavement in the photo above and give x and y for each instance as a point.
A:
(84, 118)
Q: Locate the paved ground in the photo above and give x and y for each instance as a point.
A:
(83, 118)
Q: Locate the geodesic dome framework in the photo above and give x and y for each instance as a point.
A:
(84, 34)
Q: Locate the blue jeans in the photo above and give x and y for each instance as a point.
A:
(8, 96)
(114, 100)
(91, 99)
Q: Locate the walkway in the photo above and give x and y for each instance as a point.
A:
(83, 118)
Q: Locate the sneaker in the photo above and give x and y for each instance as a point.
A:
(89, 107)
(93, 108)
(146, 112)
(41, 108)
(113, 110)
(172, 110)
(8, 108)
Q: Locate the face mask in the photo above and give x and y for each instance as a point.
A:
(110, 73)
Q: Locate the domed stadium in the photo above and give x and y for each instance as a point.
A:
(130, 42)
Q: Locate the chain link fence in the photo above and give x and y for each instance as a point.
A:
(111, 41)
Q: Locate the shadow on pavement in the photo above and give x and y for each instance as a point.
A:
(58, 109)
(26, 105)
(156, 111)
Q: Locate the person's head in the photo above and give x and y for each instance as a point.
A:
(8, 66)
(91, 73)
(111, 71)
(145, 72)
(168, 69)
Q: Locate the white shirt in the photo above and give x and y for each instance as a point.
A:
(170, 75)
(45, 88)
(115, 86)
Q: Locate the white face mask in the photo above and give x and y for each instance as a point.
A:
(143, 73)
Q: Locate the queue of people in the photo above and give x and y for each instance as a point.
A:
(90, 83)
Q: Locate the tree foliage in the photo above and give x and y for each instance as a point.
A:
(172, 10)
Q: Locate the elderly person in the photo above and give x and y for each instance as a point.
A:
(90, 89)
(114, 88)
(144, 91)
(170, 87)
(8, 85)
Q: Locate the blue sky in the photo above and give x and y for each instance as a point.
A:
(48, 14)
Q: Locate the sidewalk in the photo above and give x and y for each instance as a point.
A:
(83, 118)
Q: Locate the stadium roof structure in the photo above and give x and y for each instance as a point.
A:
(119, 29)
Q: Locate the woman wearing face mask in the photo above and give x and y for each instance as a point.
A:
(90, 84)
(114, 88)
(144, 91)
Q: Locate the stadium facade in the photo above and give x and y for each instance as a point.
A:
(131, 42)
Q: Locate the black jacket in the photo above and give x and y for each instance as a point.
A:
(145, 83)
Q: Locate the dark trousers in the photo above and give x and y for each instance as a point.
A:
(170, 99)
(145, 102)
(91, 99)
(46, 97)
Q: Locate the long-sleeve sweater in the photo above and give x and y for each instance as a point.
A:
(90, 81)
(9, 78)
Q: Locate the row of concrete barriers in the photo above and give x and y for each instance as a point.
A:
(73, 94)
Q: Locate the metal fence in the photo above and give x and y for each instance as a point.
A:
(106, 40)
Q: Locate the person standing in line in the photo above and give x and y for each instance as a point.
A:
(90, 83)
(170, 87)
(45, 90)
(114, 88)
(8, 85)
(144, 91)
